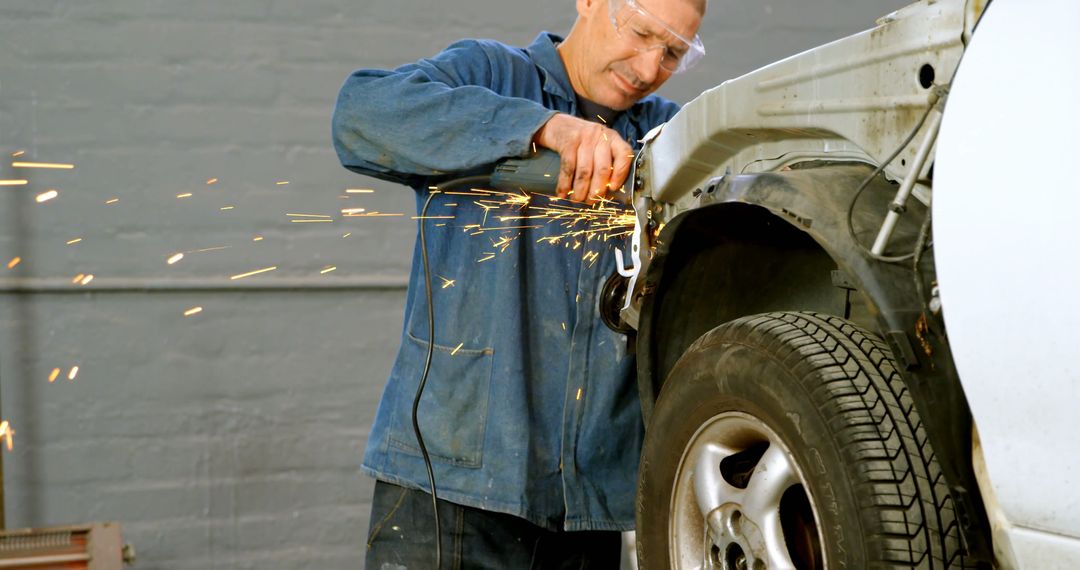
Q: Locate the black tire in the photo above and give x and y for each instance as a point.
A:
(831, 393)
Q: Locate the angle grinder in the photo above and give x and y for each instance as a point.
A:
(539, 174)
(535, 174)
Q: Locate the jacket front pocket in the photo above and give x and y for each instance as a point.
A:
(453, 409)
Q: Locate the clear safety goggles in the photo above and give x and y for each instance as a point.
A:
(645, 32)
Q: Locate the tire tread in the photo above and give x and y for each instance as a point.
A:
(850, 374)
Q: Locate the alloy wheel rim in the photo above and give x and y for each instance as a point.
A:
(740, 501)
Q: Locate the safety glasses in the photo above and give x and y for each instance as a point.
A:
(645, 32)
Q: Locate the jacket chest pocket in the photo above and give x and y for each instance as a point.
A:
(454, 407)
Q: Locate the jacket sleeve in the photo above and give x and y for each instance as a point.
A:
(433, 117)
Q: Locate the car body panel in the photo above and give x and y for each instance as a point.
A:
(748, 143)
(1006, 233)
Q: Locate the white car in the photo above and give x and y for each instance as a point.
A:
(834, 373)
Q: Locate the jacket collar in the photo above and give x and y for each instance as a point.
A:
(544, 55)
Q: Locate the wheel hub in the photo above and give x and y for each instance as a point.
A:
(738, 539)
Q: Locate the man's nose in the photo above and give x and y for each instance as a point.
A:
(647, 65)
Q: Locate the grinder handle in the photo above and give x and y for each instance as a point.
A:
(536, 174)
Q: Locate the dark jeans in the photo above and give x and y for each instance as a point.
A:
(402, 536)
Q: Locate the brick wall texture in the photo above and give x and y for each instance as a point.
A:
(230, 438)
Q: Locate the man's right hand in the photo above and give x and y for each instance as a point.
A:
(595, 160)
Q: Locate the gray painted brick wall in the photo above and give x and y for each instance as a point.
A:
(230, 438)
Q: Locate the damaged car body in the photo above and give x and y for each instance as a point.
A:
(794, 372)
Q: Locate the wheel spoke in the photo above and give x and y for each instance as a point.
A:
(772, 476)
(710, 488)
(775, 545)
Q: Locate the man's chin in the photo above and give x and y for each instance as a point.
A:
(621, 104)
(619, 100)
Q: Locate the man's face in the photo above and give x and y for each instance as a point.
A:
(618, 73)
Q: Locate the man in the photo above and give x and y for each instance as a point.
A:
(530, 409)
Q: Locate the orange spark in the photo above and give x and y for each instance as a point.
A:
(457, 348)
(174, 258)
(42, 165)
(352, 211)
(192, 311)
(359, 191)
(211, 181)
(74, 241)
(518, 200)
(112, 201)
(184, 195)
(14, 182)
(250, 273)
(307, 215)
(18, 153)
(46, 196)
(281, 182)
(6, 432)
(503, 242)
(446, 282)
(218, 248)
(311, 221)
(328, 269)
(78, 278)
(510, 228)
(73, 373)
(14, 261)
(347, 234)
(86, 280)
(54, 375)
(257, 238)
(225, 208)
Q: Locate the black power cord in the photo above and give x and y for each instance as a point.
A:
(438, 189)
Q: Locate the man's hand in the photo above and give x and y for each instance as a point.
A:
(595, 160)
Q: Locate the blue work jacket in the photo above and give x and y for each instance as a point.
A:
(530, 407)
